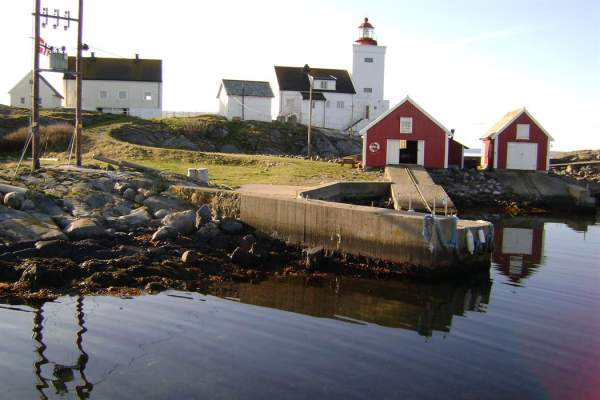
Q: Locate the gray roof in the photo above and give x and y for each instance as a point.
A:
(246, 88)
(117, 69)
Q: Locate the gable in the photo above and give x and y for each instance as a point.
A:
(295, 80)
(508, 120)
(43, 82)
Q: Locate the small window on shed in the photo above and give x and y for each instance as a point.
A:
(148, 96)
(523, 131)
(340, 104)
(328, 104)
(406, 125)
(122, 95)
(323, 85)
(22, 100)
(368, 90)
(290, 103)
(103, 94)
(369, 59)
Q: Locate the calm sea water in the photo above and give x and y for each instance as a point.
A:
(530, 329)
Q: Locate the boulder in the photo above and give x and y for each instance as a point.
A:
(313, 257)
(136, 219)
(161, 213)
(155, 287)
(189, 257)
(120, 187)
(231, 226)
(18, 227)
(155, 203)
(164, 233)
(243, 258)
(47, 273)
(27, 205)
(208, 232)
(85, 228)
(139, 198)
(129, 194)
(203, 215)
(14, 200)
(183, 222)
(246, 242)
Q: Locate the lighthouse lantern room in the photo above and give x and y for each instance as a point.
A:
(365, 33)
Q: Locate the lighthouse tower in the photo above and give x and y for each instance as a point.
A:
(368, 68)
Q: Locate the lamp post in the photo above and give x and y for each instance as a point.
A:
(310, 104)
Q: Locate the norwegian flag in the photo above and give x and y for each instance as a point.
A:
(42, 49)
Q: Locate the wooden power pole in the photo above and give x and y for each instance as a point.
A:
(78, 77)
(35, 100)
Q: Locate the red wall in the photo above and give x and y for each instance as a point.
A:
(423, 129)
(503, 260)
(455, 153)
(536, 135)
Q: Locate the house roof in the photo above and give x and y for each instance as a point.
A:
(245, 88)
(117, 69)
(508, 119)
(294, 79)
(316, 96)
(391, 110)
(44, 81)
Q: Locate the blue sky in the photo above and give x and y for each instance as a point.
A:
(466, 62)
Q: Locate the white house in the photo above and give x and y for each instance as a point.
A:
(118, 85)
(246, 100)
(333, 95)
(340, 100)
(22, 93)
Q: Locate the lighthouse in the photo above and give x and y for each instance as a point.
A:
(368, 68)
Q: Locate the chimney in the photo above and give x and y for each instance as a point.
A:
(137, 58)
(93, 57)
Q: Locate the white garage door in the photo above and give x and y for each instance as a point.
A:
(521, 156)
(392, 154)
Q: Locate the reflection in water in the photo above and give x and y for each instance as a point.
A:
(418, 306)
(61, 374)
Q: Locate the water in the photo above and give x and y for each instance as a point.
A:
(528, 329)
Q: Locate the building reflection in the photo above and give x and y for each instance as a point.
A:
(62, 376)
(418, 306)
(518, 247)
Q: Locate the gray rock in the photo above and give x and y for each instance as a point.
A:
(231, 226)
(155, 203)
(14, 200)
(129, 194)
(139, 198)
(184, 221)
(164, 233)
(85, 228)
(313, 257)
(155, 287)
(189, 257)
(203, 215)
(27, 205)
(120, 187)
(103, 184)
(243, 258)
(136, 219)
(161, 213)
(246, 242)
(208, 231)
(98, 199)
(18, 226)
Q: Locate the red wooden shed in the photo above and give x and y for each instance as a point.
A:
(406, 134)
(516, 141)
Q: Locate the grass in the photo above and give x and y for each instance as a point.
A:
(52, 137)
(233, 170)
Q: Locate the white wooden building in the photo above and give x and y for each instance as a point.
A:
(246, 100)
(22, 93)
(118, 85)
(341, 100)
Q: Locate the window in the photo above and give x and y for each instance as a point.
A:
(323, 85)
(148, 96)
(406, 125)
(103, 94)
(290, 103)
(522, 131)
(368, 90)
(340, 104)
(328, 104)
(369, 59)
(22, 100)
(122, 95)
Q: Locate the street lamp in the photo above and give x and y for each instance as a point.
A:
(306, 70)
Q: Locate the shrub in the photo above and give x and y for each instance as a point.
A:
(52, 138)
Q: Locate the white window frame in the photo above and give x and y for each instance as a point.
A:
(103, 94)
(124, 92)
(148, 96)
(523, 131)
(406, 125)
(323, 85)
(22, 100)
(340, 104)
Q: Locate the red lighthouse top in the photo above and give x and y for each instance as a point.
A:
(365, 33)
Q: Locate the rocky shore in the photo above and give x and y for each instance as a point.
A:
(66, 230)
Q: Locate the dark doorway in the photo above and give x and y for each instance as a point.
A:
(408, 151)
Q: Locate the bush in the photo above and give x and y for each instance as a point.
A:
(52, 138)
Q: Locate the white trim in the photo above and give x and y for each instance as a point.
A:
(506, 125)
(446, 152)
(548, 155)
(495, 153)
(364, 151)
(421, 153)
(391, 110)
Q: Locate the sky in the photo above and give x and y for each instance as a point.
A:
(467, 62)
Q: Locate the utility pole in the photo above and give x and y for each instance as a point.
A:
(35, 101)
(310, 106)
(78, 77)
